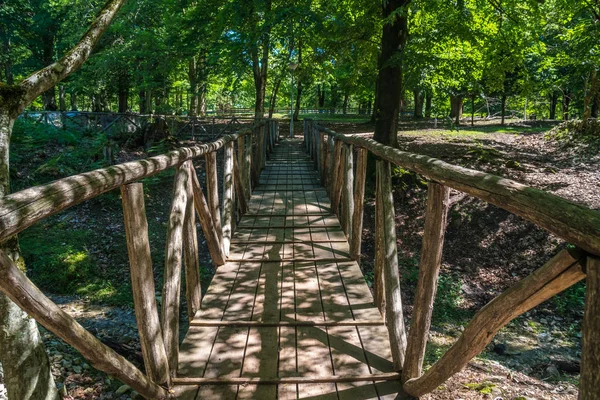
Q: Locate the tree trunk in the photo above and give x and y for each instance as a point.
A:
(595, 105)
(321, 96)
(553, 102)
(298, 99)
(123, 92)
(260, 67)
(427, 104)
(49, 100)
(591, 94)
(419, 98)
(142, 101)
(566, 99)
(61, 98)
(273, 101)
(73, 101)
(389, 79)
(369, 106)
(193, 87)
(26, 367)
(456, 108)
(472, 110)
(503, 108)
(345, 104)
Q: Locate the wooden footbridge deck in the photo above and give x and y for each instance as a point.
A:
(289, 302)
(288, 313)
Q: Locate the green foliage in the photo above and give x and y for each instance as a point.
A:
(577, 132)
(571, 299)
(483, 387)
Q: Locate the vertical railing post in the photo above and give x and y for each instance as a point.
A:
(248, 166)
(190, 248)
(335, 182)
(330, 165)
(212, 186)
(589, 382)
(325, 160)
(305, 129)
(228, 206)
(142, 284)
(359, 202)
(393, 300)
(172, 272)
(348, 190)
(431, 260)
(321, 138)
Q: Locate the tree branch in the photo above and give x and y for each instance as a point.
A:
(42, 80)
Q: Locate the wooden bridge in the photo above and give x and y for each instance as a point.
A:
(288, 313)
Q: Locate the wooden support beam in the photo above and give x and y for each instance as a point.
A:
(322, 169)
(239, 188)
(172, 274)
(337, 177)
(142, 284)
(227, 197)
(348, 191)
(561, 272)
(207, 222)
(212, 187)
(325, 175)
(379, 278)
(247, 161)
(296, 380)
(193, 289)
(394, 315)
(589, 382)
(30, 299)
(359, 203)
(431, 261)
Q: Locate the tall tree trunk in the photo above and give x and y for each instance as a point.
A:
(123, 92)
(472, 109)
(8, 62)
(192, 76)
(427, 104)
(298, 99)
(260, 67)
(566, 99)
(73, 101)
(503, 101)
(592, 91)
(369, 105)
(456, 108)
(419, 98)
(389, 79)
(299, 82)
(321, 96)
(553, 102)
(345, 104)
(61, 98)
(273, 100)
(142, 102)
(49, 100)
(595, 105)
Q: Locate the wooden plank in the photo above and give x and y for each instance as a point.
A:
(228, 209)
(347, 352)
(29, 298)
(314, 358)
(301, 380)
(359, 202)
(394, 315)
(212, 187)
(207, 222)
(431, 261)
(142, 283)
(348, 189)
(350, 322)
(562, 271)
(172, 271)
(287, 335)
(190, 249)
(590, 350)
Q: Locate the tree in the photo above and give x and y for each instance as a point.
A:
(389, 80)
(22, 354)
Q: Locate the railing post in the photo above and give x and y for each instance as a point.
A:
(248, 166)
(212, 186)
(193, 288)
(348, 190)
(207, 221)
(325, 160)
(227, 197)
(305, 128)
(142, 283)
(330, 165)
(335, 182)
(393, 300)
(431, 260)
(359, 201)
(321, 139)
(172, 272)
(589, 382)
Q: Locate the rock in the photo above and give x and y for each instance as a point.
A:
(122, 390)
(552, 372)
(66, 363)
(77, 369)
(500, 348)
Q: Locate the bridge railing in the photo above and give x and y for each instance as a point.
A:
(245, 154)
(333, 156)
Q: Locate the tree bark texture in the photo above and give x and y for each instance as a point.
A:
(389, 79)
(589, 383)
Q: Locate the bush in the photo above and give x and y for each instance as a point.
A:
(576, 133)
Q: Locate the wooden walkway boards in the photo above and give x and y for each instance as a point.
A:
(289, 306)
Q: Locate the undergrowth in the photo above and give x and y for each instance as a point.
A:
(584, 135)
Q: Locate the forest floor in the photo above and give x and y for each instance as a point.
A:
(83, 265)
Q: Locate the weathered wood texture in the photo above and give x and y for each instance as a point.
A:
(212, 187)
(228, 209)
(29, 298)
(589, 382)
(429, 268)
(394, 315)
(359, 203)
(142, 283)
(22, 209)
(172, 273)
(558, 274)
(333, 193)
(379, 278)
(348, 190)
(209, 226)
(193, 289)
(239, 188)
(573, 222)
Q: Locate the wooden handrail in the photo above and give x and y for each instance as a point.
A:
(572, 222)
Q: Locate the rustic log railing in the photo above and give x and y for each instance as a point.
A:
(159, 338)
(574, 223)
